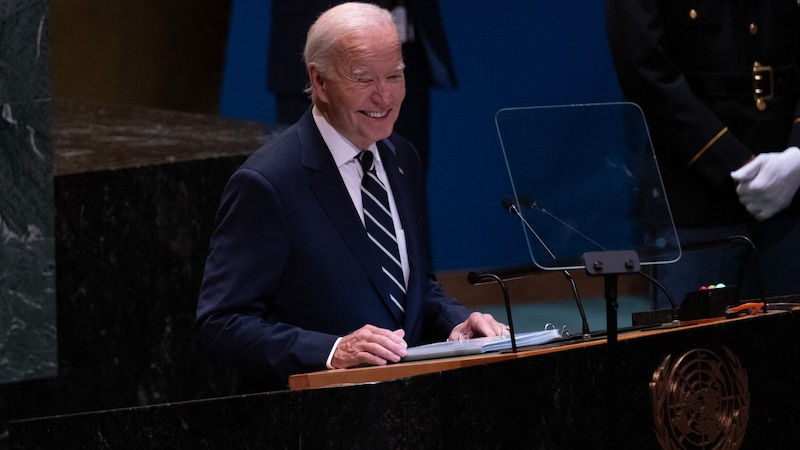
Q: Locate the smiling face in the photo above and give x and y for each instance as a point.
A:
(361, 98)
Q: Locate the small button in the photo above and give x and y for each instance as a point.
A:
(693, 12)
(754, 28)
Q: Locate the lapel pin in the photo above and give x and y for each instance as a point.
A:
(400, 169)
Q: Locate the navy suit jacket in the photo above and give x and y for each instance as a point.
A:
(290, 268)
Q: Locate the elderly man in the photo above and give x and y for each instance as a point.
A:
(318, 258)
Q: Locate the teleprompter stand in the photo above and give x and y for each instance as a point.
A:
(610, 265)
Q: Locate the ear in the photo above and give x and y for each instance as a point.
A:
(318, 83)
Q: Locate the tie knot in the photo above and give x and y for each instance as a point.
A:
(365, 158)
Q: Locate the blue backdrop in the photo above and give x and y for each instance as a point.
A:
(507, 53)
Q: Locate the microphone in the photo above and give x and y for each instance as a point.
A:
(511, 206)
(530, 203)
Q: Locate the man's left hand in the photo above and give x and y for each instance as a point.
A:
(478, 324)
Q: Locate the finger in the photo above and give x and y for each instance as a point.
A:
(380, 351)
(365, 358)
(387, 354)
(457, 334)
(502, 329)
(743, 188)
(486, 325)
(371, 332)
(398, 335)
(498, 328)
(354, 352)
(387, 344)
(749, 170)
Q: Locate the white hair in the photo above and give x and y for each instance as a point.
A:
(337, 24)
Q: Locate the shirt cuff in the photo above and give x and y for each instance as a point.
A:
(330, 356)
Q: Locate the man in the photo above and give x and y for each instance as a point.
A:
(425, 52)
(293, 282)
(719, 86)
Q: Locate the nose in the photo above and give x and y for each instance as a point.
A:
(382, 92)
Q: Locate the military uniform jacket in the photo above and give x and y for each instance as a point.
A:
(690, 65)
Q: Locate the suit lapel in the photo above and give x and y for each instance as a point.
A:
(401, 190)
(400, 179)
(326, 183)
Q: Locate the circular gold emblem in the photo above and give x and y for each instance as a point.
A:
(700, 401)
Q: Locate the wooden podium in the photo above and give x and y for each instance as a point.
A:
(715, 384)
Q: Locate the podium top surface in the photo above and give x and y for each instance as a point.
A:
(89, 137)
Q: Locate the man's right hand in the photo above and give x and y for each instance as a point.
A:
(369, 345)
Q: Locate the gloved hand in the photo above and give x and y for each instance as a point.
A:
(767, 183)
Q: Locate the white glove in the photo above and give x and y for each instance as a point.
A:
(767, 184)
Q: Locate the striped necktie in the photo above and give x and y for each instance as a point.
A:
(380, 230)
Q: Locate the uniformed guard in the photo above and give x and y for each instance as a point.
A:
(720, 88)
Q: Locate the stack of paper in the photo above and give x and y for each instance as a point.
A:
(479, 345)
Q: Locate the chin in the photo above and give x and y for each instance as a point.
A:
(381, 133)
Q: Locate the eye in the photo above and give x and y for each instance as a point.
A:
(395, 76)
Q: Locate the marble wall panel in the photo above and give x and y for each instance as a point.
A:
(27, 248)
(135, 193)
